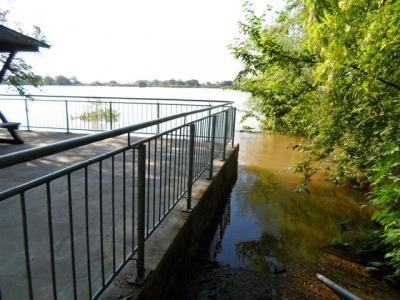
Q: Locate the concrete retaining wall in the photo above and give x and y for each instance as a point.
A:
(169, 278)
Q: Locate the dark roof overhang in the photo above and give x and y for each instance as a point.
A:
(11, 41)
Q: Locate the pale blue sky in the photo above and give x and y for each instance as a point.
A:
(126, 40)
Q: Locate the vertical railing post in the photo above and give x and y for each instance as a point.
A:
(212, 146)
(190, 167)
(111, 116)
(158, 116)
(233, 126)
(141, 210)
(226, 116)
(27, 114)
(67, 115)
(141, 272)
(209, 118)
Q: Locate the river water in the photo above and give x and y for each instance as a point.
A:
(136, 92)
(269, 219)
(92, 111)
(271, 240)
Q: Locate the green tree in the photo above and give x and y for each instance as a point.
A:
(75, 81)
(49, 81)
(141, 83)
(62, 80)
(193, 83)
(330, 71)
(20, 72)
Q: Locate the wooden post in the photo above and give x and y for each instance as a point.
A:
(7, 65)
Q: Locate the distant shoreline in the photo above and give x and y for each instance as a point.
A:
(174, 83)
(143, 87)
(130, 85)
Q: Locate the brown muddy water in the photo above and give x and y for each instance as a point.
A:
(277, 238)
(267, 216)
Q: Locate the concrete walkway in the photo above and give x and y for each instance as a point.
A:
(116, 206)
(19, 174)
(13, 276)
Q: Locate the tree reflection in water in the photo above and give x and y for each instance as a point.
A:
(265, 219)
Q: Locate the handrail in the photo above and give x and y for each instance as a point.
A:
(11, 159)
(41, 180)
(115, 102)
(116, 98)
(125, 192)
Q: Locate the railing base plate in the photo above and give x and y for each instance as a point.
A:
(139, 281)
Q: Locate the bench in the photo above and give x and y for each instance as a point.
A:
(11, 127)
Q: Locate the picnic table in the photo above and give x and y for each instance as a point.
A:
(11, 127)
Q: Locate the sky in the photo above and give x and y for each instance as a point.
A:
(128, 40)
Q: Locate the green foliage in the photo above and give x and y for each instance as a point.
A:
(330, 71)
(20, 72)
(385, 196)
(99, 112)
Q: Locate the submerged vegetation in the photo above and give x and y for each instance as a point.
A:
(99, 111)
(330, 71)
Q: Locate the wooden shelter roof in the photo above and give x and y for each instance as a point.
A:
(11, 40)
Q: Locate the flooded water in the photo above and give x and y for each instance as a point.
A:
(269, 225)
(271, 240)
(93, 114)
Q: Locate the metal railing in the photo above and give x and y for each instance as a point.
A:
(72, 231)
(78, 113)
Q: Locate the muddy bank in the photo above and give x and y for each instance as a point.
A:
(211, 280)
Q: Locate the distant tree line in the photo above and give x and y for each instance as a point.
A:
(60, 80)
(193, 83)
